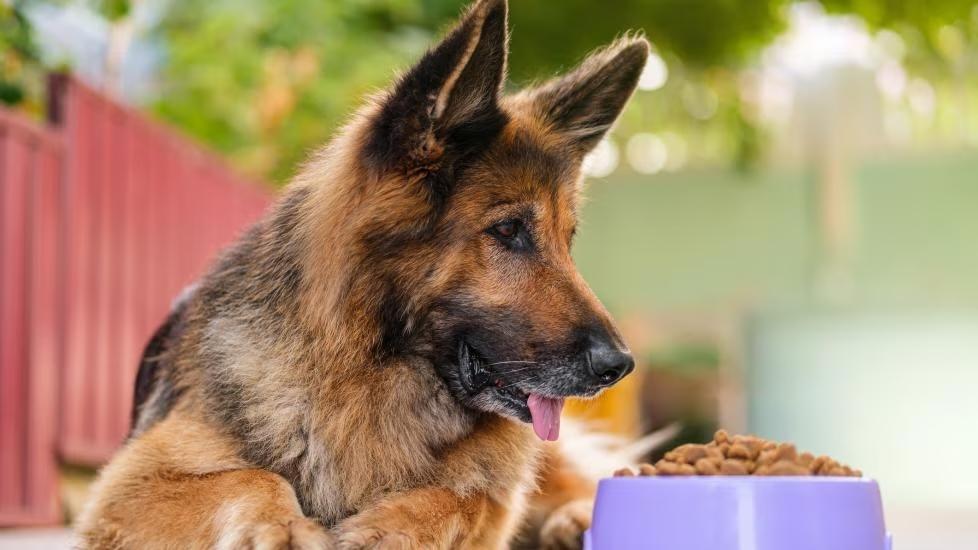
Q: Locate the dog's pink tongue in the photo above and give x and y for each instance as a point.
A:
(546, 416)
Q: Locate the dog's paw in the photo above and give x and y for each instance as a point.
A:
(298, 534)
(565, 526)
(383, 529)
(374, 538)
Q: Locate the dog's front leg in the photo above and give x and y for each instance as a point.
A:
(181, 485)
(475, 499)
(559, 510)
(423, 518)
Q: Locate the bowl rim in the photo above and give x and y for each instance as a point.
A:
(741, 480)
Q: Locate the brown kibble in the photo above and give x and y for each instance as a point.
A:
(827, 467)
(686, 454)
(706, 467)
(786, 451)
(754, 446)
(741, 455)
(767, 457)
(646, 470)
(741, 439)
(695, 453)
(787, 468)
(732, 467)
(738, 451)
(666, 468)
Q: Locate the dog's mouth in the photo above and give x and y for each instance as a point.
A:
(482, 382)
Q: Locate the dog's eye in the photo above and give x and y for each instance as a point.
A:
(507, 229)
(513, 235)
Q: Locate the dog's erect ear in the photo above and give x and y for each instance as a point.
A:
(449, 102)
(583, 104)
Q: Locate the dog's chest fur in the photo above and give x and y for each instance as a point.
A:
(343, 441)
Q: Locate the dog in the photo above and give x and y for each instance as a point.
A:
(381, 361)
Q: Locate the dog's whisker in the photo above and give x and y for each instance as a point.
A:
(510, 362)
(532, 376)
(520, 369)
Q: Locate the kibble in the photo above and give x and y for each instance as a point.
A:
(741, 455)
(706, 467)
(646, 470)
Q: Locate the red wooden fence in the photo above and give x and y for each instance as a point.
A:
(106, 217)
(31, 169)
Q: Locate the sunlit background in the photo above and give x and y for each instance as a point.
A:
(783, 222)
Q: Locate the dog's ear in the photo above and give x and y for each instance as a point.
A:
(448, 103)
(582, 105)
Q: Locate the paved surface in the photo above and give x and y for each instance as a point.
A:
(912, 530)
(35, 539)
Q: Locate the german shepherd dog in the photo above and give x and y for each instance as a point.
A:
(382, 360)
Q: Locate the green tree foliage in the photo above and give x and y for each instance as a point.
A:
(702, 33)
(265, 81)
(927, 16)
(548, 35)
(942, 35)
(20, 78)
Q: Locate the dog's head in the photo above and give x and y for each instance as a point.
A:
(467, 223)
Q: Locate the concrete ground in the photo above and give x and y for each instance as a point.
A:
(912, 530)
(36, 539)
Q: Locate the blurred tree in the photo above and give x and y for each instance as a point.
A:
(928, 17)
(265, 81)
(20, 71)
(113, 10)
(551, 35)
(937, 31)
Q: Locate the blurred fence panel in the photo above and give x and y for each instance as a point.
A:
(146, 212)
(104, 218)
(30, 332)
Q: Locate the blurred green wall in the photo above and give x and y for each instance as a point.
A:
(695, 239)
(890, 393)
(702, 240)
(883, 377)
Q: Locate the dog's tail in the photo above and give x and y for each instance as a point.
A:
(597, 454)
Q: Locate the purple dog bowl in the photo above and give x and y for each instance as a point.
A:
(737, 513)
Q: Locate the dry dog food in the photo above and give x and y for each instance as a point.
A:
(741, 455)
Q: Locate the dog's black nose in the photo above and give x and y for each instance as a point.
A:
(608, 363)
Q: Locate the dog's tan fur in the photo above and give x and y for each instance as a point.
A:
(277, 412)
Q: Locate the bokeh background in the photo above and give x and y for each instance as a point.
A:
(783, 222)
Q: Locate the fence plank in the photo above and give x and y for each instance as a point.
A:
(79, 210)
(46, 331)
(29, 175)
(13, 314)
(149, 211)
(103, 220)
